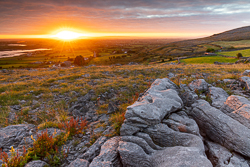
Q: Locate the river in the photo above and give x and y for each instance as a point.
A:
(13, 53)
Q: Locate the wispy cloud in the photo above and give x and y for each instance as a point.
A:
(36, 16)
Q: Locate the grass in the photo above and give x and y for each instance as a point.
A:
(236, 44)
(23, 87)
(245, 53)
(41, 89)
(208, 60)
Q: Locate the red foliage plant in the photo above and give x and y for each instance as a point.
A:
(15, 160)
(74, 126)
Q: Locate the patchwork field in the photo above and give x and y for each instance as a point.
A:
(209, 60)
(245, 53)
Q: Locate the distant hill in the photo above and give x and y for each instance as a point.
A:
(194, 47)
(237, 34)
(242, 33)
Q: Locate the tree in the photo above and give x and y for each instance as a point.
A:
(79, 60)
(239, 55)
(210, 50)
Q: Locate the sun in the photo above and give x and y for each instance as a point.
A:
(68, 35)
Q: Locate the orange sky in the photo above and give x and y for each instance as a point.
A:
(142, 18)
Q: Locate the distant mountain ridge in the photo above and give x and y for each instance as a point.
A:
(242, 33)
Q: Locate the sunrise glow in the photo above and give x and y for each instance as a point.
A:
(68, 35)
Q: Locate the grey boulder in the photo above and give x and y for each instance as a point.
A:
(134, 156)
(182, 123)
(160, 100)
(221, 128)
(245, 82)
(238, 108)
(246, 72)
(94, 150)
(222, 157)
(108, 156)
(37, 163)
(79, 163)
(13, 135)
(164, 136)
(199, 85)
(218, 96)
(180, 156)
(188, 96)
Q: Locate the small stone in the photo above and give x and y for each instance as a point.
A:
(246, 72)
(86, 75)
(79, 163)
(112, 108)
(37, 163)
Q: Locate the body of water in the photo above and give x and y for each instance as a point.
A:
(13, 53)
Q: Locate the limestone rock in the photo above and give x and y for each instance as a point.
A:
(188, 97)
(180, 156)
(229, 81)
(246, 72)
(238, 108)
(140, 142)
(245, 82)
(222, 157)
(149, 141)
(164, 136)
(200, 85)
(36, 163)
(170, 75)
(112, 108)
(13, 135)
(218, 96)
(94, 150)
(221, 128)
(161, 99)
(163, 84)
(108, 155)
(79, 163)
(182, 123)
(128, 130)
(133, 155)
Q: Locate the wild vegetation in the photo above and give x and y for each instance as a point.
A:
(46, 96)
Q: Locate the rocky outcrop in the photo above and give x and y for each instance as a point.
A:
(85, 107)
(167, 126)
(14, 135)
(218, 96)
(79, 163)
(199, 85)
(245, 82)
(222, 157)
(94, 150)
(221, 128)
(159, 101)
(156, 132)
(37, 163)
(159, 131)
(187, 95)
(108, 155)
(246, 72)
(238, 108)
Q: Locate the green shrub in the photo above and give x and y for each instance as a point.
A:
(210, 50)
(239, 55)
(79, 60)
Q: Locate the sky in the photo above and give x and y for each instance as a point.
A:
(149, 18)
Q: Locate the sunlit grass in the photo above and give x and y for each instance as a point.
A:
(245, 53)
(43, 85)
(209, 60)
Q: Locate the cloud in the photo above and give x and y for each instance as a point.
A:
(36, 16)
